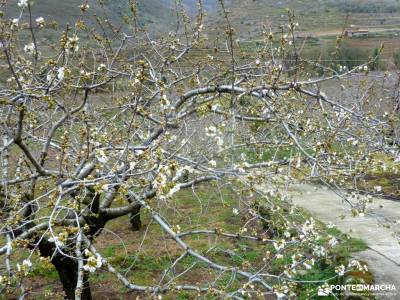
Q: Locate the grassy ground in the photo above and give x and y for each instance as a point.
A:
(144, 255)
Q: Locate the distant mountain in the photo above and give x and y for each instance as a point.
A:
(247, 16)
(62, 11)
(161, 14)
(157, 15)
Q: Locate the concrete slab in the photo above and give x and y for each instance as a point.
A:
(379, 228)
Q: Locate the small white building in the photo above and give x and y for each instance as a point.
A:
(356, 32)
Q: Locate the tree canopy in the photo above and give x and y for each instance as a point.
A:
(112, 123)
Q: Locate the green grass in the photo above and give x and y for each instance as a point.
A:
(157, 253)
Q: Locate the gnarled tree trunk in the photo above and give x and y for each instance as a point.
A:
(67, 269)
(68, 272)
(134, 218)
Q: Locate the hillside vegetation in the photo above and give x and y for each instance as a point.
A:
(247, 16)
(151, 13)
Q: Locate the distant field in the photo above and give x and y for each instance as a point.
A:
(248, 16)
(323, 19)
(391, 45)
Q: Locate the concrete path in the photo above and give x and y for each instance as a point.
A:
(379, 228)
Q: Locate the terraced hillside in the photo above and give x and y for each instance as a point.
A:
(322, 19)
(248, 16)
